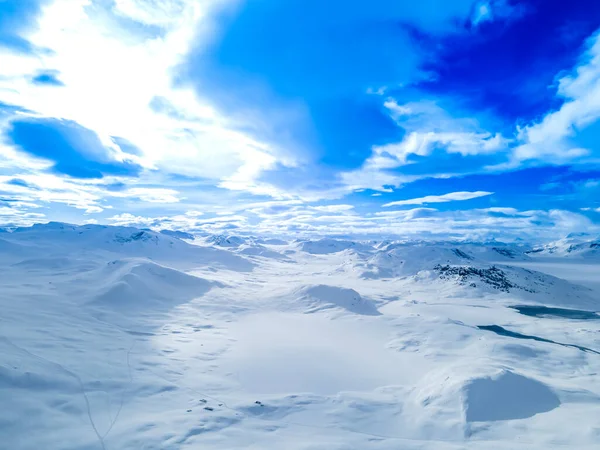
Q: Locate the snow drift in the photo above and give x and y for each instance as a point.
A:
(142, 284)
(507, 396)
(322, 297)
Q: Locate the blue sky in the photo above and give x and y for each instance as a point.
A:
(470, 118)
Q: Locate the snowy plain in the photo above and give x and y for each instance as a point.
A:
(119, 338)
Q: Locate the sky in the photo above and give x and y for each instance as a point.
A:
(470, 119)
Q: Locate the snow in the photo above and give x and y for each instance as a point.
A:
(320, 297)
(225, 241)
(507, 396)
(327, 246)
(578, 246)
(405, 260)
(114, 337)
(178, 234)
(578, 271)
(259, 250)
(306, 356)
(506, 253)
(132, 283)
(271, 241)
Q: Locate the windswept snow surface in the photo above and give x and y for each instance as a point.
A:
(118, 338)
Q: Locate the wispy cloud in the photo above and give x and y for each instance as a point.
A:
(430, 131)
(560, 136)
(450, 197)
(420, 223)
(17, 215)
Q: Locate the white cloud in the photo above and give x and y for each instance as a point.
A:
(93, 209)
(450, 197)
(183, 222)
(333, 208)
(152, 195)
(152, 12)
(417, 223)
(18, 216)
(423, 143)
(92, 196)
(113, 77)
(48, 188)
(127, 219)
(554, 138)
(371, 176)
(428, 128)
(482, 13)
(119, 82)
(405, 213)
(489, 10)
(192, 213)
(429, 223)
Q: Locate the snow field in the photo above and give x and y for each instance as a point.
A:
(116, 338)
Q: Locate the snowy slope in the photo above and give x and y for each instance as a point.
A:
(519, 282)
(135, 283)
(121, 338)
(498, 253)
(401, 260)
(470, 269)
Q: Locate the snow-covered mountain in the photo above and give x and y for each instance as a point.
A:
(326, 246)
(402, 260)
(471, 269)
(125, 338)
(228, 241)
(253, 249)
(579, 245)
(179, 234)
(407, 259)
(497, 253)
(59, 239)
(271, 241)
